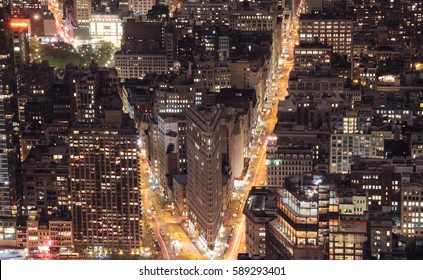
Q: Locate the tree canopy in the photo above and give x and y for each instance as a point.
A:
(61, 54)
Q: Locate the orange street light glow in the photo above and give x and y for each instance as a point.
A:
(18, 24)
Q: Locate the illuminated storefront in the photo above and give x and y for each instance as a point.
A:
(106, 28)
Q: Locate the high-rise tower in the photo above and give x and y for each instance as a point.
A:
(204, 166)
(105, 197)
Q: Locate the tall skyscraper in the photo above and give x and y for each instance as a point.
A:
(5, 96)
(7, 156)
(204, 166)
(5, 209)
(105, 197)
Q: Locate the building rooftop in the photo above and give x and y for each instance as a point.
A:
(207, 117)
(297, 149)
(261, 202)
(143, 30)
(48, 150)
(347, 226)
(306, 187)
(237, 98)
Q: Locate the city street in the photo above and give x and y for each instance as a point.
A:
(280, 81)
(160, 226)
(63, 28)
